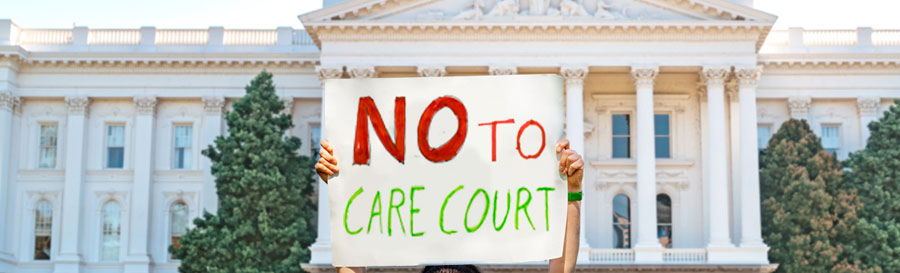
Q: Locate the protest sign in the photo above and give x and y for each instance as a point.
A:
(445, 170)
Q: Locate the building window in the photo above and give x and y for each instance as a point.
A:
(43, 226)
(831, 139)
(182, 155)
(664, 220)
(622, 221)
(48, 146)
(621, 136)
(112, 222)
(763, 134)
(663, 137)
(315, 137)
(178, 223)
(115, 146)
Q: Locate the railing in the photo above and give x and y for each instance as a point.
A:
(45, 36)
(862, 39)
(886, 37)
(301, 38)
(611, 255)
(829, 37)
(114, 36)
(182, 37)
(686, 255)
(778, 38)
(250, 37)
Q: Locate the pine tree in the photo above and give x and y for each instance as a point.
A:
(263, 223)
(805, 210)
(875, 173)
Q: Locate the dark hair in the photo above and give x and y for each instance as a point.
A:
(450, 269)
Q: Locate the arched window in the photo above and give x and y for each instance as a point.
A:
(178, 222)
(622, 221)
(664, 220)
(43, 226)
(112, 222)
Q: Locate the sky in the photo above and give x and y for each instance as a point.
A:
(268, 14)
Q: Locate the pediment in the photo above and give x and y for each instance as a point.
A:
(537, 10)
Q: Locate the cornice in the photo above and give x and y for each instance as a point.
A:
(153, 59)
(829, 61)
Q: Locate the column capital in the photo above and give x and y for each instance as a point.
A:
(288, 104)
(213, 104)
(748, 76)
(799, 106)
(78, 105)
(329, 72)
(868, 106)
(503, 70)
(8, 101)
(146, 105)
(431, 71)
(714, 74)
(358, 72)
(574, 74)
(644, 75)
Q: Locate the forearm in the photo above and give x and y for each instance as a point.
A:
(566, 263)
(351, 270)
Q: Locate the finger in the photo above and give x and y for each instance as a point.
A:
(331, 167)
(561, 145)
(322, 169)
(564, 160)
(327, 146)
(327, 156)
(576, 166)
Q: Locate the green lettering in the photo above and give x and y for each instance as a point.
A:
(392, 207)
(444, 206)
(377, 199)
(508, 201)
(483, 216)
(413, 210)
(520, 206)
(546, 191)
(347, 211)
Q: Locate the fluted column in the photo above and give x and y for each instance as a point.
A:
(8, 104)
(647, 248)
(868, 112)
(751, 226)
(574, 76)
(69, 259)
(212, 128)
(431, 71)
(138, 259)
(719, 236)
(321, 249)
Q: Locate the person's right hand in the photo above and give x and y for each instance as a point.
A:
(327, 165)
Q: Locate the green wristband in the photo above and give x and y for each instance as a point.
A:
(575, 196)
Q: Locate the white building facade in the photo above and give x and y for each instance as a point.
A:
(669, 101)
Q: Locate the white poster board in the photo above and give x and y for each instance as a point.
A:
(488, 191)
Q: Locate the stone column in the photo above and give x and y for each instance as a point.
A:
(431, 71)
(751, 226)
(138, 259)
(574, 76)
(8, 104)
(868, 112)
(69, 259)
(647, 249)
(288, 102)
(321, 249)
(719, 237)
(799, 107)
(212, 128)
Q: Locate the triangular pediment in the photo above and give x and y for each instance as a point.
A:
(537, 10)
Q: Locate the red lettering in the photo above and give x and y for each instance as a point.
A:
(493, 125)
(519, 138)
(368, 109)
(449, 149)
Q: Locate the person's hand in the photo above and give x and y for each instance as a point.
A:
(327, 165)
(570, 164)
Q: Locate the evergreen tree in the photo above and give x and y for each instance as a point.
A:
(805, 210)
(263, 223)
(875, 173)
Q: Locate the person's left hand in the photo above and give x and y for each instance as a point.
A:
(570, 164)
